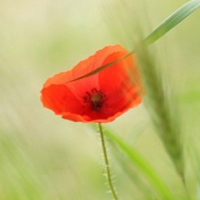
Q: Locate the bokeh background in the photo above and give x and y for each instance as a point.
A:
(43, 157)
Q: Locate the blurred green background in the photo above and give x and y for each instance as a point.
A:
(43, 157)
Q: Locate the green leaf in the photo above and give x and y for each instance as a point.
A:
(140, 163)
(168, 24)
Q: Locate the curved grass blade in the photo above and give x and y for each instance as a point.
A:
(140, 163)
(102, 67)
(174, 19)
(132, 173)
(168, 24)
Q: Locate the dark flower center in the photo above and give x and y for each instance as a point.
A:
(95, 99)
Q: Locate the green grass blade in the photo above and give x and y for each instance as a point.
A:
(161, 107)
(169, 23)
(173, 20)
(140, 163)
(132, 172)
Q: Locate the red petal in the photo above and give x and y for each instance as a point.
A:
(113, 76)
(59, 98)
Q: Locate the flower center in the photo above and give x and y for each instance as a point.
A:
(95, 99)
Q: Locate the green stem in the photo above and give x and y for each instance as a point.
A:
(107, 162)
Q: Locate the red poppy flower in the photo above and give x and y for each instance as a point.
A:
(98, 98)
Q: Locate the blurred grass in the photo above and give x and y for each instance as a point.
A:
(45, 157)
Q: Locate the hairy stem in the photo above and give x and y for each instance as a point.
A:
(107, 163)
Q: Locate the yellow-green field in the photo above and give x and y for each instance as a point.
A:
(42, 156)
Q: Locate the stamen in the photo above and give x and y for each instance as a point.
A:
(95, 99)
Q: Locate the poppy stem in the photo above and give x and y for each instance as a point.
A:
(107, 162)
